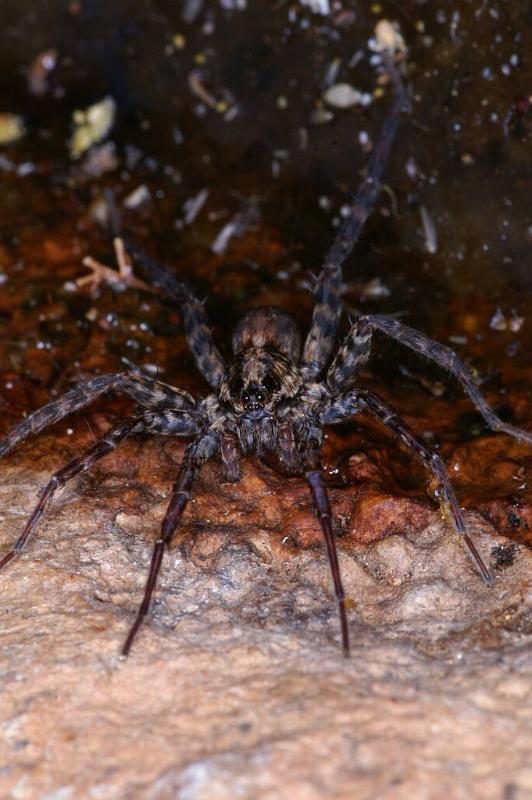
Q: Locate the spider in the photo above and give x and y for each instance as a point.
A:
(273, 399)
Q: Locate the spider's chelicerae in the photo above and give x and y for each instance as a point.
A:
(275, 397)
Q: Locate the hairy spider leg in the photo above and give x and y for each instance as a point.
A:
(147, 392)
(198, 334)
(196, 455)
(102, 447)
(363, 398)
(323, 509)
(355, 351)
(326, 315)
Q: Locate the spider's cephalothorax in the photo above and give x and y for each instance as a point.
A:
(275, 396)
(262, 377)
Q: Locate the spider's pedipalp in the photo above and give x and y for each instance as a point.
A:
(79, 464)
(230, 453)
(145, 391)
(355, 351)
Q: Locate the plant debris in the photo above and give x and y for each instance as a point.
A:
(500, 322)
(11, 128)
(91, 125)
(429, 230)
(39, 72)
(342, 95)
(102, 274)
(388, 38)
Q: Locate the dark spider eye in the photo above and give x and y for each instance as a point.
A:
(260, 397)
(270, 384)
(235, 386)
(245, 397)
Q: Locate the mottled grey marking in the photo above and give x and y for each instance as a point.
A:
(355, 351)
(208, 358)
(145, 391)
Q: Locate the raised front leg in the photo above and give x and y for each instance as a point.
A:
(208, 358)
(145, 391)
(197, 454)
(105, 445)
(321, 337)
(359, 399)
(356, 348)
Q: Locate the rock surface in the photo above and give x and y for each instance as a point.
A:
(236, 688)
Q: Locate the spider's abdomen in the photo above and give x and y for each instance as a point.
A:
(268, 328)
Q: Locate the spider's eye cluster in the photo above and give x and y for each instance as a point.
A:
(256, 396)
(252, 383)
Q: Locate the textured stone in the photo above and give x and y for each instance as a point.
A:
(236, 687)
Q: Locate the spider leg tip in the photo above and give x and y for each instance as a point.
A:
(7, 558)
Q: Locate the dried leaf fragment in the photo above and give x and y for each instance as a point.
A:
(11, 128)
(318, 6)
(429, 230)
(388, 37)
(342, 95)
(92, 125)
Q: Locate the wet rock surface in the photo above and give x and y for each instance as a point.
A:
(236, 686)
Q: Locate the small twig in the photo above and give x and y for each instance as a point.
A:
(101, 273)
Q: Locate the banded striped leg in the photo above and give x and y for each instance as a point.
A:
(325, 317)
(323, 509)
(432, 462)
(355, 351)
(145, 391)
(197, 453)
(200, 340)
(105, 445)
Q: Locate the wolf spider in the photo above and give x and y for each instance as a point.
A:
(272, 399)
